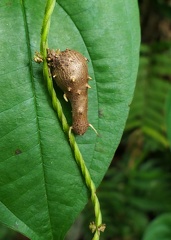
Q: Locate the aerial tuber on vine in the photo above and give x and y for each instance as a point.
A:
(70, 71)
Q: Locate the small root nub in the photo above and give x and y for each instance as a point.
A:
(87, 85)
(38, 57)
(65, 97)
(73, 79)
(90, 125)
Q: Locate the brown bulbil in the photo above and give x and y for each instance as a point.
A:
(70, 71)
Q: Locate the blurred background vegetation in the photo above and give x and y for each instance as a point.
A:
(135, 194)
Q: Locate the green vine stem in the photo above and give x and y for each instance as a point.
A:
(96, 227)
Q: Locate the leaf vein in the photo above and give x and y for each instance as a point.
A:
(36, 104)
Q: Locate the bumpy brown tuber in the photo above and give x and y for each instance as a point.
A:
(70, 72)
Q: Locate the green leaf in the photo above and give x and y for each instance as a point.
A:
(41, 187)
(159, 228)
(148, 110)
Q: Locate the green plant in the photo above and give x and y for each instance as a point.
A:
(41, 187)
(130, 196)
(148, 109)
(6, 233)
(159, 228)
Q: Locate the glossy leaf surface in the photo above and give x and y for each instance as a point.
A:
(41, 188)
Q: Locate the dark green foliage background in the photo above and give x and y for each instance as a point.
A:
(41, 188)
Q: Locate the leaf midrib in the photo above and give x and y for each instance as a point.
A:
(23, 8)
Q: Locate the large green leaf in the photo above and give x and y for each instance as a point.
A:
(41, 187)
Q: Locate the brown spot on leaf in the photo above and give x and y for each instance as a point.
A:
(18, 151)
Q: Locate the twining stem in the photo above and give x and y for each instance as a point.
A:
(97, 226)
